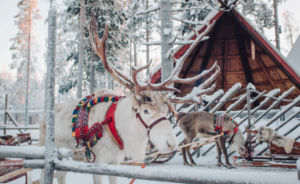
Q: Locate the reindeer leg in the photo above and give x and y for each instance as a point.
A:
(224, 150)
(185, 162)
(219, 164)
(187, 149)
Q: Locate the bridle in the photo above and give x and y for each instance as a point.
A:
(246, 145)
(150, 126)
(235, 130)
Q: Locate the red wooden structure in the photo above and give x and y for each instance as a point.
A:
(243, 54)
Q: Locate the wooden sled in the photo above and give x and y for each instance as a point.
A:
(277, 157)
(9, 140)
(10, 166)
(279, 151)
(11, 170)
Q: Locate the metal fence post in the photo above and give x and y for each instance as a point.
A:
(50, 101)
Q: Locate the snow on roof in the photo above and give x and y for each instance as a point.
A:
(294, 55)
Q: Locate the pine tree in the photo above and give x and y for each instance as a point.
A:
(23, 57)
(106, 12)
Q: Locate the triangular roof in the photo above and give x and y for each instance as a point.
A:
(231, 41)
(294, 55)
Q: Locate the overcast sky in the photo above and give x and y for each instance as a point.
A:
(8, 9)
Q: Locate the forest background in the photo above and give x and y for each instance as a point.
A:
(9, 74)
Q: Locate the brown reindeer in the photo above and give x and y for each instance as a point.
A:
(201, 125)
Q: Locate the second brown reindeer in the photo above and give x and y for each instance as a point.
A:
(201, 124)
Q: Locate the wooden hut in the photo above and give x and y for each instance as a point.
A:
(243, 54)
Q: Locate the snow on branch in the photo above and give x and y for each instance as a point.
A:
(189, 21)
(148, 11)
(188, 42)
(190, 8)
(152, 43)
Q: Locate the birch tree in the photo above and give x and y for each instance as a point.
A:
(290, 29)
(23, 50)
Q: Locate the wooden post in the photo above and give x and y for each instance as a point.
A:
(130, 58)
(225, 64)
(147, 39)
(298, 169)
(92, 82)
(277, 39)
(81, 49)
(248, 110)
(252, 50)
(50, 101)
(5, 116)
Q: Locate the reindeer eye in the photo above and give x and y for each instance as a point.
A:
(146, 111)
(148, 99)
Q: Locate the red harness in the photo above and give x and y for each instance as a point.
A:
(97, 128)
(92, 135)
(111, 127)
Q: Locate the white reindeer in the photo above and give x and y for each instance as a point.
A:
(143, 98)
(267, 134)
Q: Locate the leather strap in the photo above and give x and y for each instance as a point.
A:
(235, 130)
(111, 127)
(152, 125)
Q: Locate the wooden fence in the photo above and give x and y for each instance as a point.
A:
(219, 99)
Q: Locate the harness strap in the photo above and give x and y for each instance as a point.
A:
(151, 126)
(235, 130)
(111, 127)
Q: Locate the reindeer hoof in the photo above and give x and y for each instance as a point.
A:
(229, 166)
(220, 164)
(186, 164)
(192, 165)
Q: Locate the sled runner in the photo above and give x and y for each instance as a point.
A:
(10, 140)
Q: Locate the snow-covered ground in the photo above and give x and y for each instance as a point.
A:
(206, 165)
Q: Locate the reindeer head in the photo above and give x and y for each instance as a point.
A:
(146, 97)
(265, 134)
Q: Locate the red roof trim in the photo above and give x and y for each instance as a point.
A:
(267, 46)
(156, 76)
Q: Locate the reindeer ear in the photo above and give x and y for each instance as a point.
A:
(132, 98)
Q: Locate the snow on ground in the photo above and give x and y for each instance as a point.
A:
(206, 164)
(206, 167)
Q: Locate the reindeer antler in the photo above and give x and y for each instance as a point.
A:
(250, 130)
(99, 48)
(134, 85)
(194, 96)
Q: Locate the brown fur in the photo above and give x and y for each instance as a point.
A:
(201, 125)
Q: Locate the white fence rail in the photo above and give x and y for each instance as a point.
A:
(154, 173)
